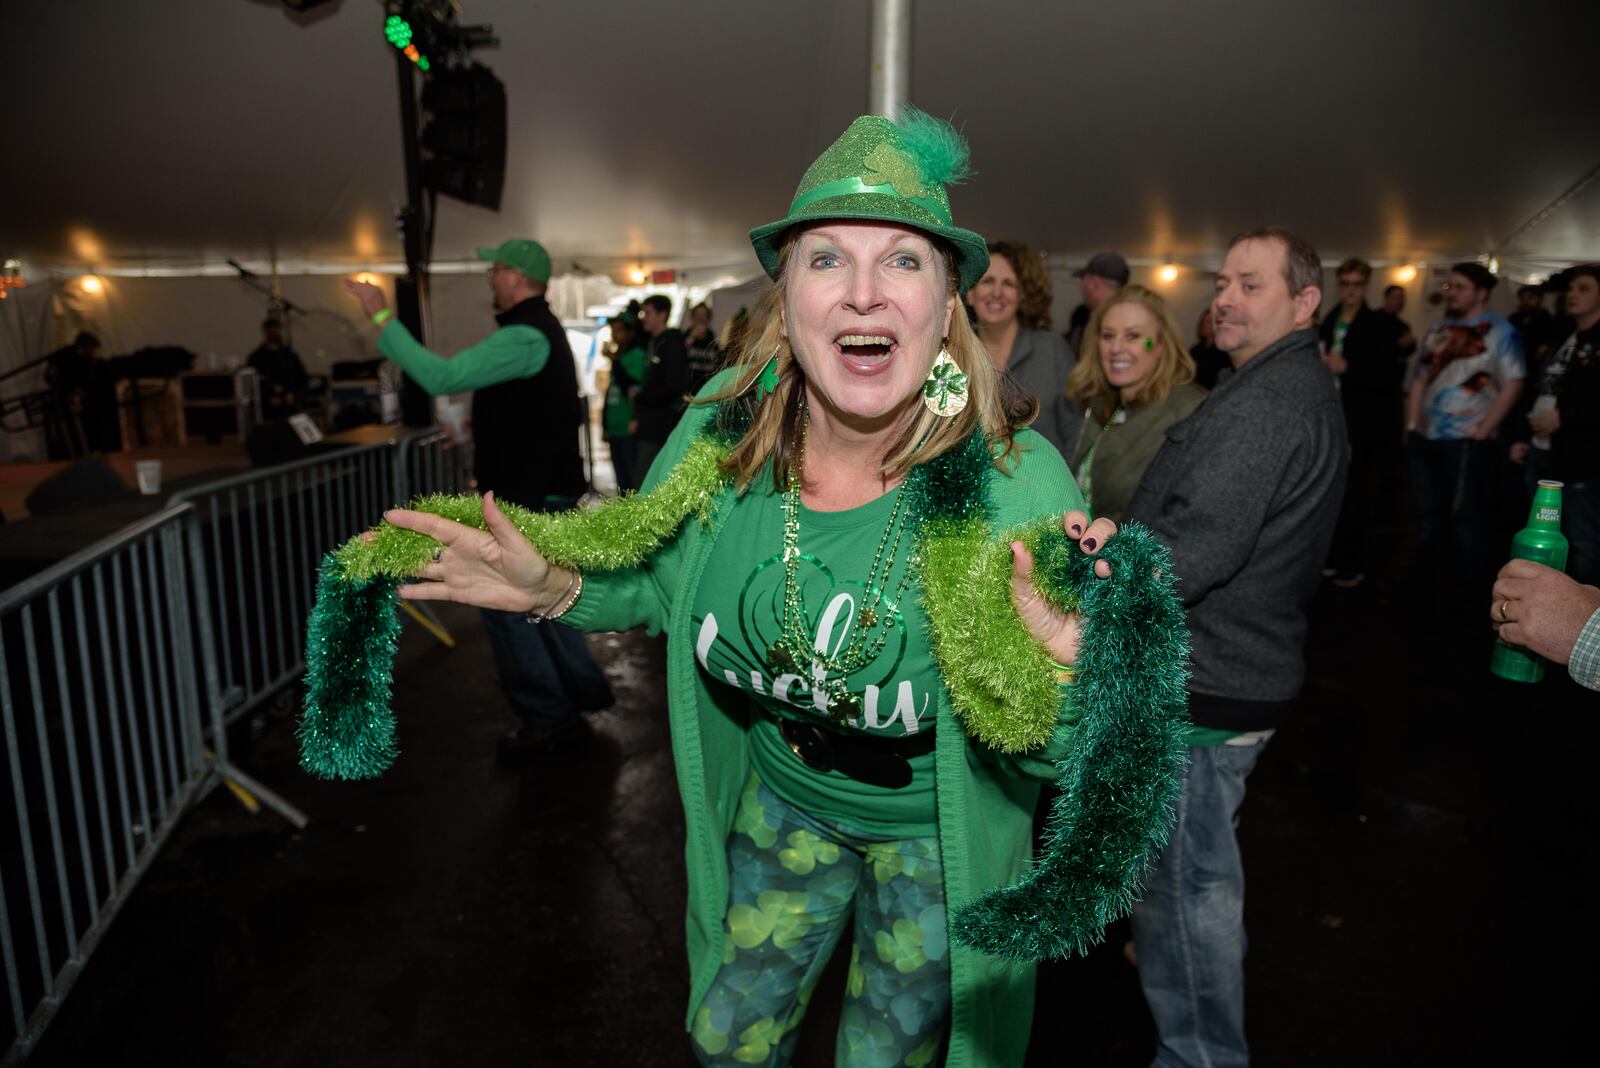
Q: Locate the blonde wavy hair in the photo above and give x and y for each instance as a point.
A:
(776, 428)
(1087, 384)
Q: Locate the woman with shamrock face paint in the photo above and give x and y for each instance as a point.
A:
(888, 620)
(1136, 379)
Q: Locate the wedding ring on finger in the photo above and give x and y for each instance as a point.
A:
(1503, 617)
(437, 553)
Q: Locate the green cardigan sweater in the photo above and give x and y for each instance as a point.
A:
(986, 800)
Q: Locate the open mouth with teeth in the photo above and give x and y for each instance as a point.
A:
(865, 350)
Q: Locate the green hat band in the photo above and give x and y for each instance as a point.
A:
(847, 186)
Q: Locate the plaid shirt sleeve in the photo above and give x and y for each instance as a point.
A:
(1585, 662)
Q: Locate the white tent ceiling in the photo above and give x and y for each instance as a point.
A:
(189, 131)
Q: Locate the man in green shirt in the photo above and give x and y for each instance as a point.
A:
(526, 415)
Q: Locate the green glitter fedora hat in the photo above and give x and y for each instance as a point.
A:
(885, 172)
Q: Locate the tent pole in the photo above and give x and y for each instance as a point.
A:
(416, 409)
(890, 81)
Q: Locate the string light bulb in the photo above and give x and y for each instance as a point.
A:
(91, 284)
(1405, 274)
(1167, 273)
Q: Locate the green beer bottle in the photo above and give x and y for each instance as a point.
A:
(1542, 542)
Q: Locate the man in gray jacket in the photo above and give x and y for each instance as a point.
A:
(1246, 493)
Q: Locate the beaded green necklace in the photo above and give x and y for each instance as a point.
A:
(868, 633)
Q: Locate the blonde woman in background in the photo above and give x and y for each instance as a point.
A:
(1136, 379)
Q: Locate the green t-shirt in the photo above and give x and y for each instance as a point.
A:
(619, 408)
(737, 617)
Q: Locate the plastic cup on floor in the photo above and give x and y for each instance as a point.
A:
(149, 472)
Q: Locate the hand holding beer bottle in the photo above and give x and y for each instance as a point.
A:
(1542, 542)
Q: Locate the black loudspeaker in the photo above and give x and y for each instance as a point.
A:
(273, 444)
(464, 135)
(79, 485)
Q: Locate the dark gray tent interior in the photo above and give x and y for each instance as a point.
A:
(194, 130)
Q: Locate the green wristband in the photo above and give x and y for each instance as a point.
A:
(381, 316)
(1065, 676)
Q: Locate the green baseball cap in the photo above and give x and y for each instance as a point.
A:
(886, 172)
(529, 257)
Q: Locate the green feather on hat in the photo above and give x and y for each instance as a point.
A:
(883, 171)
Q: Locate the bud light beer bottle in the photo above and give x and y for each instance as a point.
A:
(1542, 542)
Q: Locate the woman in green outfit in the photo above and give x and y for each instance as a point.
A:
(1136, 379)
(823, 736)
(629, 362)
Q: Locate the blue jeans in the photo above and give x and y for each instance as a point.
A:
(1455, 484)
(1188, 931)
(545, 668)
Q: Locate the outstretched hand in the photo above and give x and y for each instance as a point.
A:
(1056, 630)
(496, 568)
(371, 297)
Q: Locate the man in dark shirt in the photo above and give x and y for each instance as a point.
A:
(659, 404)
(1367, 350)
(283, 376)
(525, 420)
(1103, 275)
(1534, 323)
(1564, 423)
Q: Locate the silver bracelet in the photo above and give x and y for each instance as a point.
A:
(562, 604)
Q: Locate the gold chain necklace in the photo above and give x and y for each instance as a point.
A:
(869, 631)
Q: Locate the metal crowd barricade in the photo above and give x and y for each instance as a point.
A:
(431, 462)
(102, 751)
(123, 666)
(254, 544)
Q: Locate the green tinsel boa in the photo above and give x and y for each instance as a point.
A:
(1120, 776)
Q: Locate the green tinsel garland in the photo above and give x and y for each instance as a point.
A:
(1120, 778)
(1117, 782)
(346, 728)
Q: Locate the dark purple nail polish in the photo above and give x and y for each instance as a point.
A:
(1077, 528)
(1088, 543)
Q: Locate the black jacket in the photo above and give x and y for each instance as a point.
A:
(1245, 492)
(1575, 447)
(659, 404)
(525, 431)
(1369, 389)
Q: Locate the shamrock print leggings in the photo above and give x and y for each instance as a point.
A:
(795, 881)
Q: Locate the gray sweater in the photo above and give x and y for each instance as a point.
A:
(1245, 492)
(1039, 365)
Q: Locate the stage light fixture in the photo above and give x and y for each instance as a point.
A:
(398, 32)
